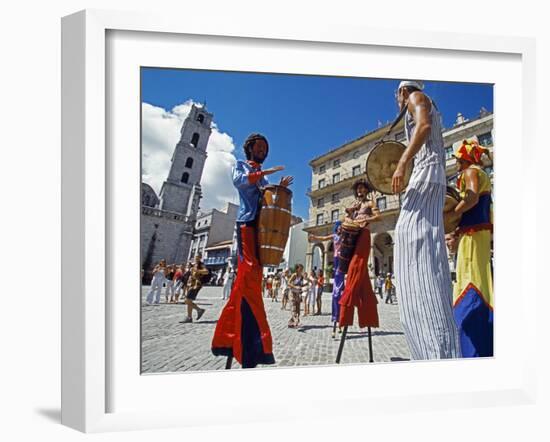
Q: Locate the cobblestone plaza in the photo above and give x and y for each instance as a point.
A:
(168, 346)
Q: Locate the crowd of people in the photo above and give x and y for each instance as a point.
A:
(179, 281)
(176, 282)
(298, 288)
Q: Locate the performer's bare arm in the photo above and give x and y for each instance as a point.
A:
(375, 212)
(311, 237)
(285, 181)
(363, 219)
(272, 170)
(419, 107)
(471, 198)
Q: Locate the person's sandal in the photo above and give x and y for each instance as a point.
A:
(200, 313)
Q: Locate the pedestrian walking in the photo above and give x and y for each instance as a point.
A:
(169, 282)
(176, 282)
(276, 287)
(380, 285)
(228, 279)
(153, 296)
(312, 293)
(285, 289)
(269, 287)
(296, 284)
(194, 284)
(319, 295)
(388, 286)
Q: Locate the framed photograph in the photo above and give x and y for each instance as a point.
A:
(157, 119)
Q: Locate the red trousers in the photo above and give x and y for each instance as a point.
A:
(242, 330)
(358, 289)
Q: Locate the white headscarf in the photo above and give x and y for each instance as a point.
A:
(412, 83)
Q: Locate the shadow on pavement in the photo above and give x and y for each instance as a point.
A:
(356, 335)
(304, 328)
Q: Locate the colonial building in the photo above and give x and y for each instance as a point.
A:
(167, 220)
(213, 236)
(334, 172)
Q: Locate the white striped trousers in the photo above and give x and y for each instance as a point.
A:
(422, 275)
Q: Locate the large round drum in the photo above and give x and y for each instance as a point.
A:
(452, 198)
(274, 224)
(348, 239)
(381, 164)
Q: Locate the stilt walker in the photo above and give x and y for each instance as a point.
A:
(242, 331)
(421, 267)
(358, 292)
(338, 277)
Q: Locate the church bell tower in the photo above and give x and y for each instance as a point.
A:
(181, 192)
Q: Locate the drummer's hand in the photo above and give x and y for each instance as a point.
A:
(398, 179)
(273, 170)
(286, 181)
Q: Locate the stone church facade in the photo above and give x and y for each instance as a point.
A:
(168, 219)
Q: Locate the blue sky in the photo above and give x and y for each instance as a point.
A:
(302, 116)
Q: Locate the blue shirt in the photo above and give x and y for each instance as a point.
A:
(249, 194)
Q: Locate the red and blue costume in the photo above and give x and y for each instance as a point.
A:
(242, 331)
(358, 290)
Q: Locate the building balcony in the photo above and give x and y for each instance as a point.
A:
(325, 227)
(346, 179)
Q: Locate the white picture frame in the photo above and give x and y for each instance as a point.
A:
(86, 206)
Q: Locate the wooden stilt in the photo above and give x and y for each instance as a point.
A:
(341, 346)
(228, 362)
(371, 359)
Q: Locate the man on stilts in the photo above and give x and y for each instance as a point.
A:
(358, 292)
(422, 272)
(242, 330)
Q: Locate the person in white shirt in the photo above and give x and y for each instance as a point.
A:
(228, 278)
(156, 283)
(284, 288)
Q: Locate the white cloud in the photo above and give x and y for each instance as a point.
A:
(160, 134)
